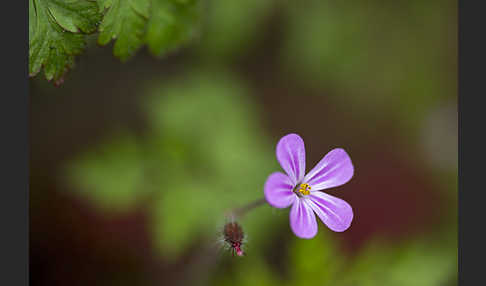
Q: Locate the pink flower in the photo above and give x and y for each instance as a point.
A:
(303, 192)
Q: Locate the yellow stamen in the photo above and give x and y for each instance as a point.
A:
(304, 189)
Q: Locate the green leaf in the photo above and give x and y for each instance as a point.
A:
(113, 176)
(124, 21)
(203, 154)
(171, 24)
(223, 160)
(163, 25)
(57, 31)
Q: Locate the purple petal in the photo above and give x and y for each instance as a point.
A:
(291, 156)
(333, 170)
(333, 212)
(278, 190)
(302, 219)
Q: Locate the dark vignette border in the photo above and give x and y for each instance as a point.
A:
(14, 98)
(15, 152)
(471, 80)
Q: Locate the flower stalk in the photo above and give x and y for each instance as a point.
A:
(233, 233)
(238, 213)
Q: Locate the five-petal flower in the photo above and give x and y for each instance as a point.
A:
(303, 191)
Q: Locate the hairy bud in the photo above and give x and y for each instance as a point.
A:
(234, 236)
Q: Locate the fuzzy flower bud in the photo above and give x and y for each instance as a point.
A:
(234, 236)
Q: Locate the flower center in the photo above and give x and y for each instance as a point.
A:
(304, 189)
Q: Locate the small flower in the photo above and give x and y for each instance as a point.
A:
(303, 192)
(234, 236)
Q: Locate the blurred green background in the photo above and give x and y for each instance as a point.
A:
(133, 164)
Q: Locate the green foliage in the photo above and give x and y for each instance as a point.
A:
(416, 262)
(171, 24)
(251, 271)
(391, 61)
(231, 27)
(57, 30)
(163, 25)
(224, 164)
(204, 154)
(113, 174)
(419, 261)
(315, 261)
(124, 21)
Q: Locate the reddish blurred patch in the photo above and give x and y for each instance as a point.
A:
(390, 198)
(73, 244)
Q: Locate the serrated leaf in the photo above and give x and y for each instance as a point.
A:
(171, 24)
(57, 31)
(125, 21)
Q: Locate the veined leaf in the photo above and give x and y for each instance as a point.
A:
(56, 34)
(124, 21)
(57, 29)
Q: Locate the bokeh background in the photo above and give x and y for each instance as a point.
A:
(133, 164)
